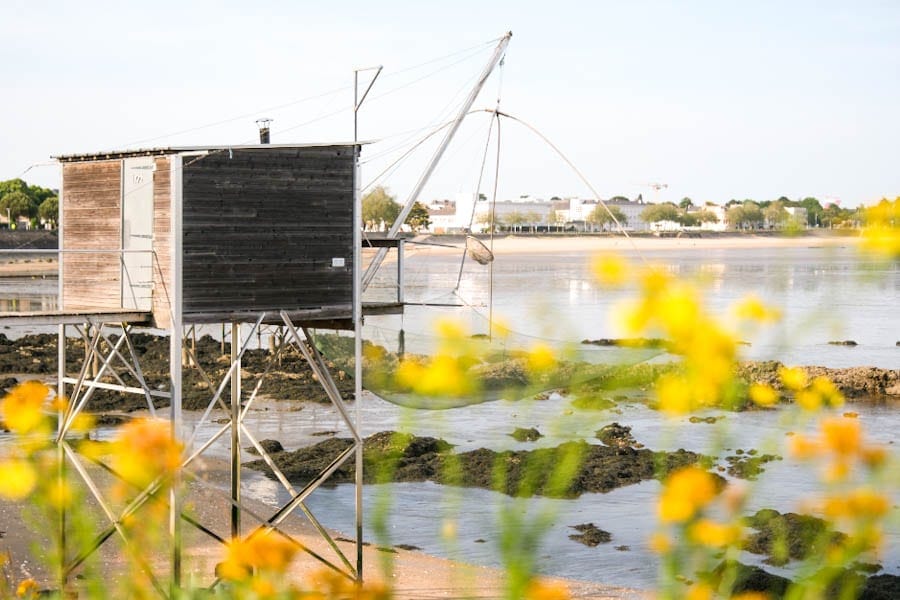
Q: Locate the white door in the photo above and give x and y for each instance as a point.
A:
(137, 232)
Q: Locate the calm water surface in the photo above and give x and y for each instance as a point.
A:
(826, 294)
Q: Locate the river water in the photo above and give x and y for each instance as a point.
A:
(826, 294)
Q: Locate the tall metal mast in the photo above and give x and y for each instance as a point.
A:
(448, 137)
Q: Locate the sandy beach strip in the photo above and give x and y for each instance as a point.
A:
(33, 268)
(412, 575)
(588, 244)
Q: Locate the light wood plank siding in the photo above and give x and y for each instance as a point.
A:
(261, 228)
(92, 221)
(162, 245)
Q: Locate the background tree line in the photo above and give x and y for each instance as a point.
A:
(380, 209)
(33, 202)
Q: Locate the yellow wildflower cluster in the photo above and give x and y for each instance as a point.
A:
(685, 494)
(881, 235)
(675, 310)
(446, 373)
(256, 567)
(857, 508)
(809, 395)
(327, 585)
(541, 590)
(840, 444)
(145, 450)
(267, 553)
(24, 411)
(23, 408)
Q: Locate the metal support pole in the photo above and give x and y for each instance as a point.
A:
(60, 451)
(401, 283)
(175, 343)
(235, 430)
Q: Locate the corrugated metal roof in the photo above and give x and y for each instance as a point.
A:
(111, 154)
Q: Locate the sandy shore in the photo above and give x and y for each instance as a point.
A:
(537, 244)
(590, 244)
(33, 268)
(412, 575)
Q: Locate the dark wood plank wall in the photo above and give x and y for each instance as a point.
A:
(162, 244)
(261, 227)
(92, 197)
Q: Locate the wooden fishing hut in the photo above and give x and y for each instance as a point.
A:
(211, 234)
(171, 238)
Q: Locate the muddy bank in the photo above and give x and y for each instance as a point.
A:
(290, 378)
(753, 579)
(853, 382)
(389, 456)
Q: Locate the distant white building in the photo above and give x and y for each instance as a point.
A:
(719, 212)
(799, 216)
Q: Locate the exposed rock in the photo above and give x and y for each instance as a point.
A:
(842, 343)
(709, 420)
(615, 435)
(590, 535)
(853, 382)
(389, 456)
(408, 547)
(526, 435)
(592, 403)
(753, 579)
(270, 446)
(748, 465)
(881, 587)
(789, 536)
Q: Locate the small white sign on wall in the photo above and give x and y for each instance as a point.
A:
(338, 262)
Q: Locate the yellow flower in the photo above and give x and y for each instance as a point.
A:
(18, 479)
(842, 436)
(763, 395)
(60, 494)
(451, 334)
(716, 535)
(874, 456)
(881, 236)
(541, 358)
(685, 492)
(752, 308)
(610, 269)
(674, 394)
(27, 588)
(660, 543)
(751, 596)
(538, 590)
(22, 410)
(700, 591)
(793, 378)
(145, 450)
(82, 423)
(803, 448)
(444, 376)
(808, 400)
(265, 552)
(500, 328)
(861, 503)
(679, 310)
(827, 391)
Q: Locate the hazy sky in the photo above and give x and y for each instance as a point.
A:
(717, 99)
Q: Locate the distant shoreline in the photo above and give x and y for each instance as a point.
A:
(541, 244)
(587, 243)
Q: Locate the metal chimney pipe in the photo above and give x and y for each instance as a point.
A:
(263, 125)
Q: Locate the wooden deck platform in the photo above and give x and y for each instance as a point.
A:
(73, 317)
